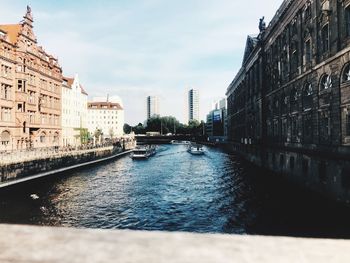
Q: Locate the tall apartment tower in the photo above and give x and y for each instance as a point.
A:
(193, 105)
(152, 106)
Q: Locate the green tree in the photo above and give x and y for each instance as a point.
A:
(127, 128)
(139, 129)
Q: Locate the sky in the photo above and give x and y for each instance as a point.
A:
(137, 48)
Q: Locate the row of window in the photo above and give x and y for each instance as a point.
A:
(49, 119)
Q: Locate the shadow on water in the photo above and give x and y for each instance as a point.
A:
(174, 191)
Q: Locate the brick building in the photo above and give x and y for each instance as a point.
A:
(289, 105)
(30, 98)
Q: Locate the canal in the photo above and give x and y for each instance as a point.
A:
(175, 191)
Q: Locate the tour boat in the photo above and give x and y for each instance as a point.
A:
(195, 149)
(179, 142)
(143, 152)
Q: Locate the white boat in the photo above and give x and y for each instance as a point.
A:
(143, 152)
(180, 142)
(195, 149)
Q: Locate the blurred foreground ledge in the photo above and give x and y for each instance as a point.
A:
(48, 244)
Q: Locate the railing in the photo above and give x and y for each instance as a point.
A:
(19, 156)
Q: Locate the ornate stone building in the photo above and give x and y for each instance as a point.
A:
(30, 98)
(289, 105)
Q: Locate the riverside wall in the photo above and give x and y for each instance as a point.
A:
(327, 173)
(16, 170)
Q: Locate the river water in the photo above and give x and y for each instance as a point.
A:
(175, 191)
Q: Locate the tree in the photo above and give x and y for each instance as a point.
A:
(139, 129)
(127, 128)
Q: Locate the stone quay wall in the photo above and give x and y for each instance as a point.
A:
(36, 164)
(326, 173)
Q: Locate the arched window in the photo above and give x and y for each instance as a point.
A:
(307, 96)
(326, 82)
(5, 138)
(346, 73)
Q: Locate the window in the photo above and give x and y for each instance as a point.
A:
(294, 128)
(307, 12)
(294, 100)
(347, 21)
(42, 138)
(294, 64)
(5, 138)
(307, 96)
(346, 73)
(5, 92)
(21, 85)
(5, 114)
(284, 104)
(31, 117)
(326, 82)
(347, 120)
(307, 128)
(324, 127)
(32, 97)
(325, 38)
(284, 129)
(308, 53)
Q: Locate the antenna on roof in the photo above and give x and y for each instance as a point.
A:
(107, 97)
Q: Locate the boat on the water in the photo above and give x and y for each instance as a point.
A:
(180, 142)
(143, 152)
(195, 149)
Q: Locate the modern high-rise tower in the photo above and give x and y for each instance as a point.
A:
(152, 106)
(193, 105)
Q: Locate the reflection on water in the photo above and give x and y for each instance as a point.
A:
(176, 191)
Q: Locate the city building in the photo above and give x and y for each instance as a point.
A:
(216, 125)
(106, 115)
(30, 98)
(193, 105)
(152, 106)
(289, 105)
(74, 112)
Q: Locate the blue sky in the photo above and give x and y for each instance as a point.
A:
(135, 48)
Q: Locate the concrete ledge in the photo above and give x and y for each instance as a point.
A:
(44, 244)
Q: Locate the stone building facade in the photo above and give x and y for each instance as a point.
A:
(289, 105)
(30, 98)
(74, 112)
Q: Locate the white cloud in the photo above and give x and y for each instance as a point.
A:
(139, 48)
